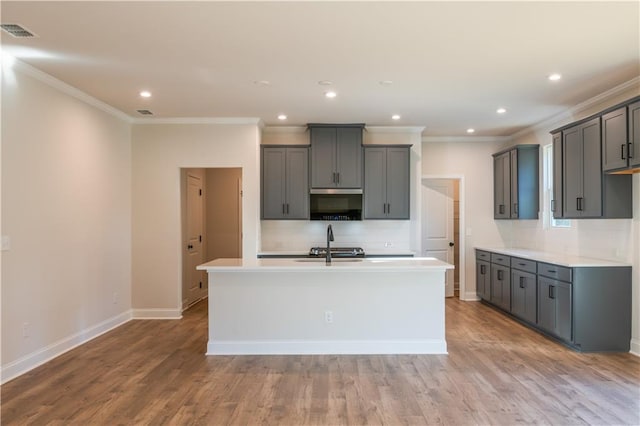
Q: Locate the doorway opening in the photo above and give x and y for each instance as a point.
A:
(211, 209)
(441, 223)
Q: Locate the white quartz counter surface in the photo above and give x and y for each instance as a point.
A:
(561, 259)
(388, 264)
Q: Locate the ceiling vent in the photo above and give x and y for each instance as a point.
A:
(17, 30)
(144, 112)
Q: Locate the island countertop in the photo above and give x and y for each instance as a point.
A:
(390, 264)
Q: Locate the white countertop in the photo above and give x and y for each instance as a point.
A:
(561, 259)
(389, 264)
(367, 253)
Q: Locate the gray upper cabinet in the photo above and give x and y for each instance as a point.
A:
(582, 186)
(615, 147)
(633, 152)
(386, 182)
(336, 156)
(285, 182)
(592, 162)
(516, 183)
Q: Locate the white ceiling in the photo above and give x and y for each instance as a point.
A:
(452, 63)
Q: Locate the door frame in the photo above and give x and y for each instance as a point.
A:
(462, 230)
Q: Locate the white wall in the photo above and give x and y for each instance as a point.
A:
(159, 151)
(383, 236)
(66, 207)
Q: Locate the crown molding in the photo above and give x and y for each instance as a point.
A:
(284, 129)
(200, 120)
(457, 139)
(569, 114)
(65, 88)
(395, 129)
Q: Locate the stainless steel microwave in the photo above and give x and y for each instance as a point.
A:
(335, 204)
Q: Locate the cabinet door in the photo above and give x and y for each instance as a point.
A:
(513, 184)
(323, 161)
(297, 183)
(556, 202)
(591, 201)
(523, 295)
(572, 158)
(614, 140)
(483, 282)
(273, 183)
(634, 135)
(397, 178)
(375, 183)
(554, 307)
(501, 287)
(502, 191)
(349, 157)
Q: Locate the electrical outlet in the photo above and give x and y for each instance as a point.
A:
(388, 244)
(115, 297)
(328, 317)
(25, 330)
(6, 243)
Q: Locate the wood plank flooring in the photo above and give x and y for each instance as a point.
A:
(497, 372)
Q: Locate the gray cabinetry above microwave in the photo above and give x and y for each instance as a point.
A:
(336, 155)
(386, 182)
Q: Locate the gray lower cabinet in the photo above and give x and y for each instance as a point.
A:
(386, 182)
(523, 295)
(587, 308)
(554, 307)
(285, 182)
(483, 280)
(501, 286)
(336, 156)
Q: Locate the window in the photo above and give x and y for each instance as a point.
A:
(547, 177)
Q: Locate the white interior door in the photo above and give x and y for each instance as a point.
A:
(196, 284)
(437, 224)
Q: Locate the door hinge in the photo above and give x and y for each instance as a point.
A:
(201, 192)
(241, 193)
(200, 284)
(200, 237)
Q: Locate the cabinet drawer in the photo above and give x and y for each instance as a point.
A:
(483, 255)
(500, 259)
(523, 264)
(554, 271)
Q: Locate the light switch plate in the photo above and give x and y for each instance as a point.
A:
(6, 243)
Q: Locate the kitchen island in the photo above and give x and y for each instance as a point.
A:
(303, 306)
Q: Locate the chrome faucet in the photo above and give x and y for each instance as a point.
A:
(329, 239)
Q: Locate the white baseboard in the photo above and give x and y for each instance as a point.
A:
(157, 314)
(40, 356)
(328, 347)
(470, 296)
(635, 347)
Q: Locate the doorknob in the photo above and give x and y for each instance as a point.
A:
(451, 244)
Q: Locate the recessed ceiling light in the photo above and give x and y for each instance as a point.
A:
(282, 117)
(555, 76)
(501, 110)
(325, 82)
(331, 94)
(395, 117)
(145, 94)
(386, 82)
(470, 130)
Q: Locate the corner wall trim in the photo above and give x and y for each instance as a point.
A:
(170, 314)
(54, 350)
(635, 347)
(326, 347)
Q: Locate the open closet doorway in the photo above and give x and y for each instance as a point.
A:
(441, 223)
(211, 224)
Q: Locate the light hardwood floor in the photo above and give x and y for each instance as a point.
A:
(497, 372)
